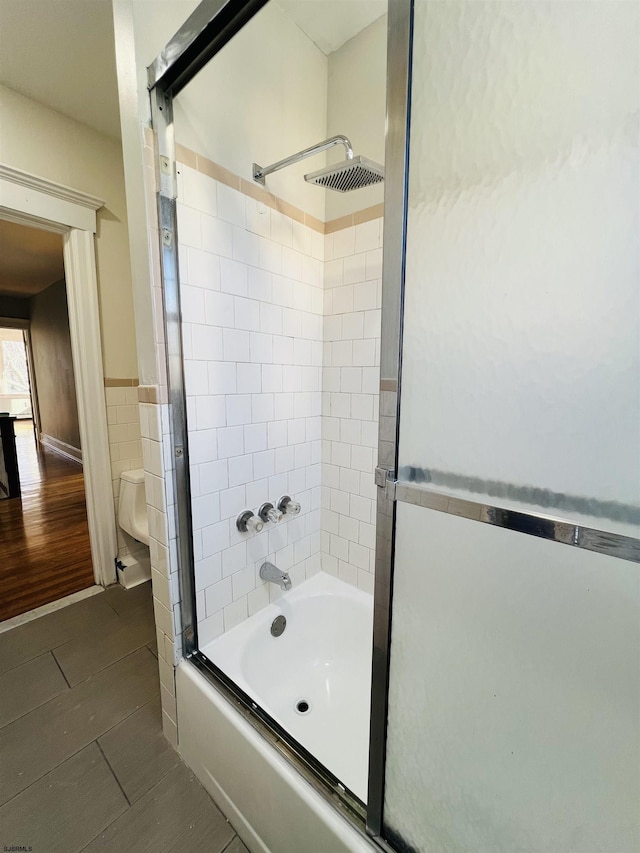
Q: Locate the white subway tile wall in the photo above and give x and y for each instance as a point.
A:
(288, 414)
(251, 283)
(350, 390)
(125, 445)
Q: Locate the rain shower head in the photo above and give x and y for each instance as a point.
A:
(348, 175)
(351, 174)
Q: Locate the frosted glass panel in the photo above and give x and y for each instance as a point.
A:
(522, 314)
(514, 699)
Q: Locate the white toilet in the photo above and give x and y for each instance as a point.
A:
(135, 568)
(132, 506)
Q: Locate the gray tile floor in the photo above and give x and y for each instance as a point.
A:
(84, 764)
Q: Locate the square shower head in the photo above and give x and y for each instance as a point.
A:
(348, 175)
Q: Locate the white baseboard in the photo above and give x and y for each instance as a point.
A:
(61, 447)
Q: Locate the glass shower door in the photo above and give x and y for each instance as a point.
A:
(514, 677)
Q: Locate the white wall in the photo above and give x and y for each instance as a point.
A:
(153, 22)
(251, 295)
(143, 250)
(350, 386)
(260, 99)
(277, 93)
(46, 143)
(257, 303)
(357, 106)
(266, 98)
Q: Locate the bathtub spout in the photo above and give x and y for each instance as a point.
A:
(271, 573)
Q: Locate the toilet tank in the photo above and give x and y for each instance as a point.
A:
(132, 505)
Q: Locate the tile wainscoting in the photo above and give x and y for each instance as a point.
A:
(137, 424)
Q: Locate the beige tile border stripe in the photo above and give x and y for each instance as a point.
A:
(255, 191)
(148, 394)
(366, 215)
(120, 383)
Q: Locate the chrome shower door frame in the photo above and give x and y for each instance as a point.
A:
(208, 29)
(212, 24)
(399, 56)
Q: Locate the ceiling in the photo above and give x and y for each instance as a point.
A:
(61, 53)
(331, 23)
(30, 259)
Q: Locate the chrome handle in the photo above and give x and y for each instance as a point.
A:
(268, 512)
(247, 522)
(288, 506)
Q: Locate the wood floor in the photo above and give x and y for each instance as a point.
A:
(44, 537)
(85, 766)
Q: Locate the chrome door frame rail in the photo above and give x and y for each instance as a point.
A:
(399, 56)
(210, 26)
(523, 496)
(533, 524)
(162, 119)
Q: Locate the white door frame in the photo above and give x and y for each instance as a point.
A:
(30, 200)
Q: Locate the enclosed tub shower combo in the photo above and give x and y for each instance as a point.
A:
(404, 423)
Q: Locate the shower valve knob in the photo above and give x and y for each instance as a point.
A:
(247, 522)
(288, 506)
(268, 512)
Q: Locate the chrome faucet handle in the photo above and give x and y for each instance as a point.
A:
(268, 512)
(288, 506)
(247, 522)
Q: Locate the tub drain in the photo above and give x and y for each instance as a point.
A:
(278, 625)
(302, 706)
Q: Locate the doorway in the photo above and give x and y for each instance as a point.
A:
(69, 216)
(44, 531)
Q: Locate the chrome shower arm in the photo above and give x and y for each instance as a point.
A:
(260, 172)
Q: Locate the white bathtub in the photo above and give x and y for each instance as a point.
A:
(324, 655)
(323, 658)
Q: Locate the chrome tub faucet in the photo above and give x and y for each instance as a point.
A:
(272, 574)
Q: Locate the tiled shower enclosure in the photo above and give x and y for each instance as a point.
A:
(281, 338)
